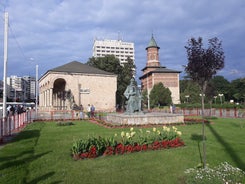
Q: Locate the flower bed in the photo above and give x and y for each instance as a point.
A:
(127, 142)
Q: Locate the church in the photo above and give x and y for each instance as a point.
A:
(154, 73)
(74, 84)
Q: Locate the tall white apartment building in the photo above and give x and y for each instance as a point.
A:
(21, 88)
(118, 48)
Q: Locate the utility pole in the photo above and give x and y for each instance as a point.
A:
(36, 91)
(5, 59)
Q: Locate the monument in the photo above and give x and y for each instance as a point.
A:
(134, 114)
(133, 96)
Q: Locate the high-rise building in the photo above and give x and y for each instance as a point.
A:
(31, 87)
(21, 88)
(118, 48)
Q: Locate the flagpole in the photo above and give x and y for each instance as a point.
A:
(5, 59)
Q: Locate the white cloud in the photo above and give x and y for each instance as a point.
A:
(58, 31)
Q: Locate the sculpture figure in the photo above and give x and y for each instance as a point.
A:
(133, 95)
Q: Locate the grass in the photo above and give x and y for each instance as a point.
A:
(41, 154)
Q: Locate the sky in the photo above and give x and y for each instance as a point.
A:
(50, 33)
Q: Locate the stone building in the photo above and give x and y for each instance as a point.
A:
(154, 73)
(74, 84)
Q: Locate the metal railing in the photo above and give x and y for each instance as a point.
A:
(14, 123)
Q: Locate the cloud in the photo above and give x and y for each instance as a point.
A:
(56, 32)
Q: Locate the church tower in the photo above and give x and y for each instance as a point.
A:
(152, 53)
(154, 73)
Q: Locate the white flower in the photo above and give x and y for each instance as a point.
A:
(179, 133)
(115, 135)
(132, 134)
(127, 135)
(148, 131)
(158, 132)
(154, 129)
(131, 129)
(164, 128)
(122, 134)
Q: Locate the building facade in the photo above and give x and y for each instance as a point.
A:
(118, 48)
(154, 73)
(21, 88)
(74, 84)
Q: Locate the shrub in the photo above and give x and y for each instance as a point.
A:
(64, 123)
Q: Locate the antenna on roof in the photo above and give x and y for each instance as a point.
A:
(119, 36)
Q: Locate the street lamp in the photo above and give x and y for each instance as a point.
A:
(187, 97)
(220, 96)
(215, 99)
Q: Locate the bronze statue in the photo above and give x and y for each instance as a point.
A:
(133, 95)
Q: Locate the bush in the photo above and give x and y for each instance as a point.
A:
(64, 123)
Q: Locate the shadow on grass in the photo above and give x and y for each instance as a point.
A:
(228, 148)
(198, 138)
(13, 162)
(41, 178)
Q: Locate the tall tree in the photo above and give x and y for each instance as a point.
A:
(221, 86)
(160, 95)
(202, 65)
(124, 72)
(238, 90)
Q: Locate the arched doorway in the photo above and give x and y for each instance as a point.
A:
(59, 94)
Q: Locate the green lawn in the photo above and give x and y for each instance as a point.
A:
(41, 154)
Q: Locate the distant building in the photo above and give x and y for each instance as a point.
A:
(21, 88)
(16, 88)
(118, 48)
(154, 73)
(74, 84)
(30, 87)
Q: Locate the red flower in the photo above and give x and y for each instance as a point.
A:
(119, 149)
(84, 155)
(109, 151)
(144, 147)
(129, 148)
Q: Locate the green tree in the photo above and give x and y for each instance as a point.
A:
(202, 65)
(144, 98)
(124, 72)
(238, 90)
(160, 95)
(189, 91)
(220, 86)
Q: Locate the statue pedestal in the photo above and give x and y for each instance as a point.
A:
(144, 118)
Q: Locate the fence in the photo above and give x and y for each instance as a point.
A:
(14, 123)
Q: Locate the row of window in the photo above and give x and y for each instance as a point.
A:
(103, 47)
(101, 55)
(108, 51)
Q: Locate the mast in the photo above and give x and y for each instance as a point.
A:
(5, 59)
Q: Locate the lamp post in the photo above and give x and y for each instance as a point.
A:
(220, 96)
(36, 90)
(215, 97)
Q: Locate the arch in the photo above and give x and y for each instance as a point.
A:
(59, 94)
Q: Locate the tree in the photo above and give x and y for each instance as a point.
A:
(202, 65)
(160, 96)
(124, 72)
(189, 91)
(221, 86)
(238, 90)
